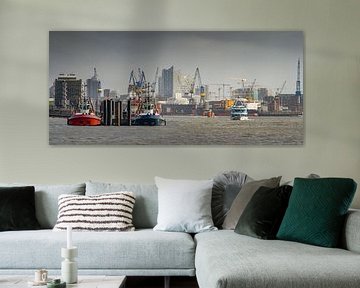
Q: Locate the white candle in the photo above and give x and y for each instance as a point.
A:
(69, 239)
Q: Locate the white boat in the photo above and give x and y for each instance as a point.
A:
(239, 112)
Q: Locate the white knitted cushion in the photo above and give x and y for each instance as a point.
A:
(105, 212)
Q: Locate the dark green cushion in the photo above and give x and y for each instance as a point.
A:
(316, 211)
(263, 214)
(17, 208)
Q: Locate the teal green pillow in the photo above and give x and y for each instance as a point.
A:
(316, 211)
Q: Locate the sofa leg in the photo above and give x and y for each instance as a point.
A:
(167, 282)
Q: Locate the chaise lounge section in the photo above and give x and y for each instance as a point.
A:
(226, 259)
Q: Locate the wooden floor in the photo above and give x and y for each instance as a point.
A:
(158, 282)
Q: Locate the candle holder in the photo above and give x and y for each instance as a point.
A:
(68, 265)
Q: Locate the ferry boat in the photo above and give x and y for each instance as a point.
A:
(239, 112)
(85, 116)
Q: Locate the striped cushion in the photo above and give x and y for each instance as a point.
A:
(105, 212)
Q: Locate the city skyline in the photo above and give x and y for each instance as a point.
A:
(270, 57)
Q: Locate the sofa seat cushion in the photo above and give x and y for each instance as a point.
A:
(226, 259)
(142, 249)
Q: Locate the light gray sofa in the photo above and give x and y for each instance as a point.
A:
(143, 252)
(226, 259)
(219, 259)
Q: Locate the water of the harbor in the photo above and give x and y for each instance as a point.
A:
(185, 130)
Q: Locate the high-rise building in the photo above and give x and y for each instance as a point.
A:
(52, 91)
(106, 93)
(67, 91)
(262, 93)
(93, 90)
(114, 94)
(245, 92)
(166, 83)
(93, 87)
(291, 102)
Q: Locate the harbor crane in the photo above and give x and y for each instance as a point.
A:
(137, 83)
(252, 85)
(243, 80)
(153, 84)
(223, 88)
(280, 90)
(197, 80)
(277, 100)
(251, 92)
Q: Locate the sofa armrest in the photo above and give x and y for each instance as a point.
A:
(351, 233)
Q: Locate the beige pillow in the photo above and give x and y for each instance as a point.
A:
(243, 198)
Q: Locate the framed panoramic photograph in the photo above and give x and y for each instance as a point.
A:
(176, 88)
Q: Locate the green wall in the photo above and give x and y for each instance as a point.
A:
(332, 90)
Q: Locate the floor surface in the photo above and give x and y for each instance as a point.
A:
(158, 282)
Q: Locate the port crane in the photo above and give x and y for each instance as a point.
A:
(280, 90)
(153, 84)
(137, 83)
(223, 88)
(251, 96)
(197, 78)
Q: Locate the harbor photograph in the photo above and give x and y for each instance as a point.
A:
(176, 88)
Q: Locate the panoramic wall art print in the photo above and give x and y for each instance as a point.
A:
(176, 88)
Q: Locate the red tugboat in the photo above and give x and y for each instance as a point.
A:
(85, 116)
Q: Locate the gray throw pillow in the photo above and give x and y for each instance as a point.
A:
(263, 214)
(184, 205)
(243, 198)
(225, 189)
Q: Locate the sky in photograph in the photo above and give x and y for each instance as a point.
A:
(222, 57)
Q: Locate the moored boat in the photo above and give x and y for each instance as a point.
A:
(85, 117)
(148, 120)
(147, 113)
(79, 119)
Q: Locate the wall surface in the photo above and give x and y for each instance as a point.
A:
(331, 88)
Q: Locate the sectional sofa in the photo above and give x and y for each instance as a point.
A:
(218, 258)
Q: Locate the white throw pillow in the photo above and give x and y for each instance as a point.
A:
(184, 205)
(105, 212)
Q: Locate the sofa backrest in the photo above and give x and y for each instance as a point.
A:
(146, 203)
(46, 200)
